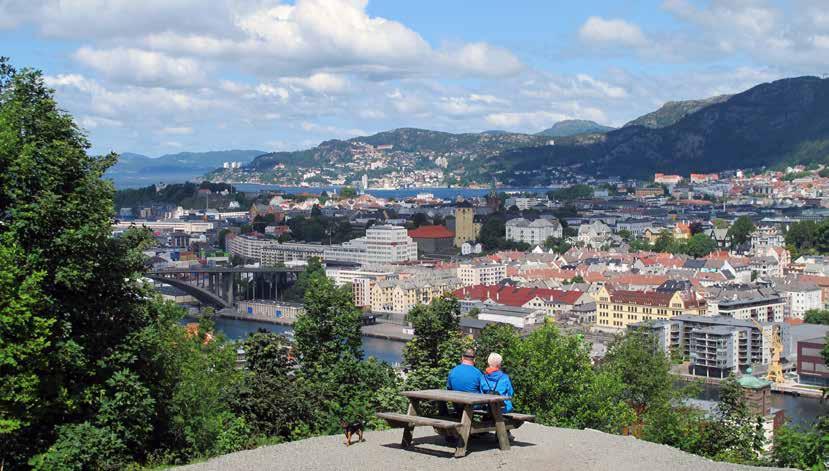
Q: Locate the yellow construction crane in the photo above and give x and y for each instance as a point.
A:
(772, 338)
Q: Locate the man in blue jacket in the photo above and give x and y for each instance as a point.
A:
(465, 377)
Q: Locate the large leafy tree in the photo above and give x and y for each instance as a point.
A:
(93, 369)
(437, 344)
(644, 369)
(329, 330)
(740, 231)
(554, 379)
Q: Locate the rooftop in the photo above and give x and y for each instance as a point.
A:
(431, 232)
(535, 448)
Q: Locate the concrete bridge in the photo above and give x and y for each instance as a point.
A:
(220, 287)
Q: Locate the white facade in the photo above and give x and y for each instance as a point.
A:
(389, 244)
(382, 244)
(248, 247)
(533, 233)
(472, 274)
(189, 227)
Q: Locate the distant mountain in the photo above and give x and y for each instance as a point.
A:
(398, 150)
(781, 122)
(673, 111)
(135, 170)
(573, 127)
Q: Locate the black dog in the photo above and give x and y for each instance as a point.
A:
(351, 428)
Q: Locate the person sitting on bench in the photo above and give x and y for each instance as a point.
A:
(497, 381)
(465, 377)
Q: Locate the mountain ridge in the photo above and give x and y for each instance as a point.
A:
(780, 122)
(574, 127)
(133, 169)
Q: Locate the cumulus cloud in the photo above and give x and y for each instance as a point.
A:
(319, 82)
(176, 130)
(268, 37)
(130, 65)
(612, 31)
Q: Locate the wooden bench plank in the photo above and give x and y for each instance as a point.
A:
(519, 417)
(393, 417)
(456, 397)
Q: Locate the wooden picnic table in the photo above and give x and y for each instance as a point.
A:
(461, 428)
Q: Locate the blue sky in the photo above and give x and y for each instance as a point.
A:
(162, 76)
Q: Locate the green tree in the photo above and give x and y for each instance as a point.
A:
(802, 448)
(329, 329)
(816, 316)
(270, 397)
(83, 447)
(433, 325)
(74, 300)
(314, 270)
(347, 192)
(554, 380)
(419, 219)
(665, 242)
(500, 338)
(437, 344)
(700, 245)
(643, 368)
(740, 231)
(740, 433)
(571, 193)
(557, 244)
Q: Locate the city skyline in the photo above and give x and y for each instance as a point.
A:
(160, 77)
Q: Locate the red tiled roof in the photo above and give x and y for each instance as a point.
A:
(512, 296)
(649, 298)
(643, 298)
(431, 232)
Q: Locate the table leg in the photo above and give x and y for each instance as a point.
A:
(500, 427)
(414, 405)
(466, 427)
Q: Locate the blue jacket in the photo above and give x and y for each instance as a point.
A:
(466, 378)
(499, 382)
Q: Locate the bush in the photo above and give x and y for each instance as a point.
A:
(83, 447)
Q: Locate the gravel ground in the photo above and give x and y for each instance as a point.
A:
(535, 448)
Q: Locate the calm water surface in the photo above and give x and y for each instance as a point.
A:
(385, 350)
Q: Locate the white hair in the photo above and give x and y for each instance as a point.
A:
(494, 359)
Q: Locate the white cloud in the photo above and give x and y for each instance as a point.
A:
(319, 82)
(129, 65)
(94, 122)
(524, 121)
(269, 38)
(327, 130)
(612, 31)
(176, 130)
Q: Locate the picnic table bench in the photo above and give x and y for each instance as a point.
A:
(470, 422)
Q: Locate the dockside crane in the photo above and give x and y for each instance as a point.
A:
(773, 340)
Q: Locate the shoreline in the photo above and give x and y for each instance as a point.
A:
(366, 330)
(786, 389)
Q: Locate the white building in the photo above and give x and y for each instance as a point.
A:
(247, 246)
(800, 296)
(189, 227)
(382, 244)
(764, 237)
(533, 233)
(472, 273)
(519, 317)
(760, 304)
(593, 235)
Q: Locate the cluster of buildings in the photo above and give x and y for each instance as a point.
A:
(718, 312)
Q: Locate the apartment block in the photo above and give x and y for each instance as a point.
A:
(616, 309)
(475, 273)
